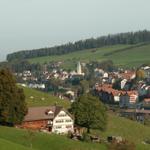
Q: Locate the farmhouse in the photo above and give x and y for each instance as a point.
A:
(53, 119)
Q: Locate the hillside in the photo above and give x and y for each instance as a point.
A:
(8, 145)
(132, 131)
(42, 141)
(128, 129)
(38, 98)
(121, 55)
(82, 45)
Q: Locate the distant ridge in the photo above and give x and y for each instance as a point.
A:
(114, 39)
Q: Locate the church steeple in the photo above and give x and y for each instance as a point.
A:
(79, 69)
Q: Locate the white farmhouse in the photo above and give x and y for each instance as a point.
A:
(54, 119)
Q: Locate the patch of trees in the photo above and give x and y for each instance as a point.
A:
(106, 65)
(121, 38)
(89, 112)
(13, 107)
(20, 66)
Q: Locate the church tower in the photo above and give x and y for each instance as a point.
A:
(79, 70)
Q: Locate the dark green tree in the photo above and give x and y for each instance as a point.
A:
(89, 112)
(12, 100)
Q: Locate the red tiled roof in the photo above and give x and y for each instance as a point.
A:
(108, 88)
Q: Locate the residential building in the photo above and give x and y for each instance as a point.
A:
(54, 119)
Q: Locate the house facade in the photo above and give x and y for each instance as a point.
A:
(51, 119)
(128, 99)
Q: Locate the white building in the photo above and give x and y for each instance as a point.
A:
(36, 86)
(79, 69)
(63, 123)
(54, 119)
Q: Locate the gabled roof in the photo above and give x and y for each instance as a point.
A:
(41, 113)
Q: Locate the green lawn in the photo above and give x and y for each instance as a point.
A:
(130, 130)
(131, 57)
(8, 145)
(38, 98)
(117, 126)
(42, 141)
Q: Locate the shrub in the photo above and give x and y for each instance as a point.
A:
(86, 137)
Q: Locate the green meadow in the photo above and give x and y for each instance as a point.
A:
(121, 55)
(16, 139)
(41, 141)
(38, 98)
(117, 126)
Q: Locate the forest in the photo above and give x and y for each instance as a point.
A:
(114, 39)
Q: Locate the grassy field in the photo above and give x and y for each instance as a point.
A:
(38, 98)
(133, 55)
(16, 139)
(130, 130)
(42, 141)
(8, 145)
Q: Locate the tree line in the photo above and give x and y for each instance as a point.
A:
(121, 38)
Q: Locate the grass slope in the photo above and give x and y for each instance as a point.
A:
(118, 126)
(126, 55)
(8, 145)
(43, 141)
(131, 130)
(37, 98)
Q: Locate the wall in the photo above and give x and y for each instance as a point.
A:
(35, 125)
(60, 127)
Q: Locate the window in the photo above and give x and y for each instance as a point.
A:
(58, 127)
(59, 121)
(62, 115)
(68, 126)
(68, 120)
(50, 113)
(49, 122)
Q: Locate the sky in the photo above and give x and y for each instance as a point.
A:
(30, 24)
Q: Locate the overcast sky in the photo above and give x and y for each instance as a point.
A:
(28, 24)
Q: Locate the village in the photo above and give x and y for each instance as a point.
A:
(75, 75)
(126, 92)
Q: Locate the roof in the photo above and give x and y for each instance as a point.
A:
(41, 113)
(108, 88)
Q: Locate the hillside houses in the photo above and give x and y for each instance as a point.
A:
(128, 99)
(112, 96)
(50, 118)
